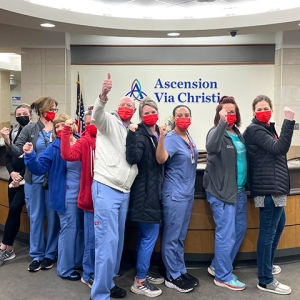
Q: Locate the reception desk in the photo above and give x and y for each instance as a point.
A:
(199, 244)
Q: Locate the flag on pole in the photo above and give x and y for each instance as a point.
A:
(79, 118)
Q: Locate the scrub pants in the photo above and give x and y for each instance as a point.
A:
(231, 225)
(70, 242)
(110, 210)
(37, 205)
(88, 262)
(177, 216)
(147, 236)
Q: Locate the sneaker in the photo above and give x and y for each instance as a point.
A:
(276, 270)
(89, 283)
(180, 284)
(152, 277)
(211, 271)
(191, 278)
(275, 287)
(145, 288)
(35, 266)
(234, 284)
(5, 255)
(47, 263)
(117, 292)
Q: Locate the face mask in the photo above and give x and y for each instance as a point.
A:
(183, 123)
(23, 120)
(58, 133)
(91, 129)
(125, 113)
(263, 116)
(231, 119)
(150, 120)
(50, 115)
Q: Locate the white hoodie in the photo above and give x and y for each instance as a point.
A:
(111, 167)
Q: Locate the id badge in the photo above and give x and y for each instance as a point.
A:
(192, 159)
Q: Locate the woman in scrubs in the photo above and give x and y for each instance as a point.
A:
(179, 153)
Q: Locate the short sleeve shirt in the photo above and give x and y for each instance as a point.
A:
(180, 167)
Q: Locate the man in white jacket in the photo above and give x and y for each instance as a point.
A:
(113, 178)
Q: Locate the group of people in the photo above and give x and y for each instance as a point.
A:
(88, 185)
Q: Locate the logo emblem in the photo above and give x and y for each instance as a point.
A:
(136, 91)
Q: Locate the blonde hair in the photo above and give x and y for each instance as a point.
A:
(43, 104)
(63, 118)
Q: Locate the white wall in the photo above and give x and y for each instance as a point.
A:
(244, 82)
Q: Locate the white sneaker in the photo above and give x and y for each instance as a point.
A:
(275, 287)
(145, 288)
(276, 270)
(212, 272)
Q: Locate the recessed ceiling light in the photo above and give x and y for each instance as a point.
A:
(11, 75)
(173, 34)
(49, 25)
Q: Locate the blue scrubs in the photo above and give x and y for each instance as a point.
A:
(88, 263)
(110, 210)
(230, 219)
(177, 200)
(38, 208)
(70, 242)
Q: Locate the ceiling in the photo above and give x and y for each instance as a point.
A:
(125, 18)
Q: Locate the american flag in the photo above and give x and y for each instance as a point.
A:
(79, 118)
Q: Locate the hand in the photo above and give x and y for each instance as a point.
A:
(5, 134)
(106, 87)
(288, 114)
(69, 122)
(15, 176)
(163, 130)
(27, 148)
(133, 127)
(223, 115)
(14, 184)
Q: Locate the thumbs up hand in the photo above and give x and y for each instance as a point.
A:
(106, 87)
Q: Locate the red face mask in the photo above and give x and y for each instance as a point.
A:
(183, 123)
(50, 115)
(263, 116)
(150, 120)
(231, 119)
(125, 113)
(58, 133)
(91, 129)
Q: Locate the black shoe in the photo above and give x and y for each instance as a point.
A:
(35, 266)
(117, 292)
(191, 278)
(181, 284)
(47, 263)
(73, 276)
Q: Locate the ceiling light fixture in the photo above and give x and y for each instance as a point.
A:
(48, 25)
(173, 34)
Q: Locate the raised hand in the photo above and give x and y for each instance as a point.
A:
(289, 114)
(27, 148)
(223, 115)
(106, 87)
(69, 122)
(5, 134)
(163, 130)
(133, 127)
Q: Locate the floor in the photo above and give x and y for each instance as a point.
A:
(16, 283)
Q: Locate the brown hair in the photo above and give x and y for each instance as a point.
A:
(260, 98)
(63, 118)
(24, 105)
(43, 104)
(225, 100)
(149, 102)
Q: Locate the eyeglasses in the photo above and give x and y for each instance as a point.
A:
(53, 110)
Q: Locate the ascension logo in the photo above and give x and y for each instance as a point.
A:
(136, 91)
